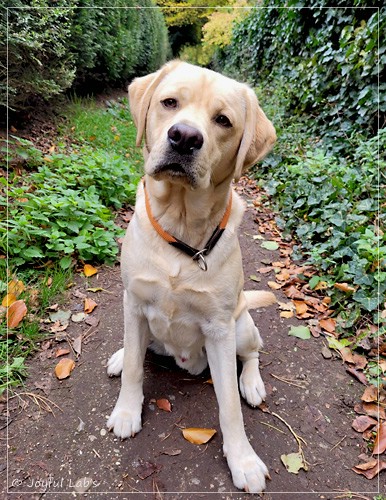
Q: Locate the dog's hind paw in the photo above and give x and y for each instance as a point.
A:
(251, 384)
(124, 423)
(115, 363)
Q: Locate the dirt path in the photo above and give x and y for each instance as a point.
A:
(49, 453)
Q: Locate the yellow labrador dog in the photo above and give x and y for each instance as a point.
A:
(181, 260)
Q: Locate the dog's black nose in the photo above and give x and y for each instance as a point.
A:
(185, 139)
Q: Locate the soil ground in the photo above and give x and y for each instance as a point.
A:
(55, 455)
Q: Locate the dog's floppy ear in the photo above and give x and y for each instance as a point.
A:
(259, 135)
(140, 93)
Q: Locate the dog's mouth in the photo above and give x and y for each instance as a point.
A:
(170, 168)
(175, 171)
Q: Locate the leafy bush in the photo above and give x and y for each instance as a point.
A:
(115, 40)
(39, 63)
(324, 54)
(52, 44)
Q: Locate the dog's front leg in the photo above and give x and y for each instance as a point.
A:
(125, 419)
(248, 471)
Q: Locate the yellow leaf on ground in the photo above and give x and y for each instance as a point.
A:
(274, 285)
(9, 299)
(16, 313)
(89, 270)
(286, 314)
(284, 275)
(197, 435)
(89, 305)
(301, 307)
(16, 287)
(64, 368)
(344, 287)
(322, 285)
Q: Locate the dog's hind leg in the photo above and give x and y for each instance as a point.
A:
(248, 344)
(115, 363)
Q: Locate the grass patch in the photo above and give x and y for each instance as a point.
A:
(40, 288)
(59, 208)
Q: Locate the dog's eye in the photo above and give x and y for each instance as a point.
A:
(170, 103)
(223, 121)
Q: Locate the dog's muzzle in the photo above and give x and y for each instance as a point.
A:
(179, 161)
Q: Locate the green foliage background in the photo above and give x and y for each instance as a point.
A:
(54, 45)
(319, 68)
(324, 54)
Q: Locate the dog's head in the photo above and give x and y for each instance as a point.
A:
(199, 127)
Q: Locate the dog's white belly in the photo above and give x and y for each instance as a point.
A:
(173, 323)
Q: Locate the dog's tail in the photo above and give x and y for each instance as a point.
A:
(259, 298)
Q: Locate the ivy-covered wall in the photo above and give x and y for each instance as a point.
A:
(328, 57)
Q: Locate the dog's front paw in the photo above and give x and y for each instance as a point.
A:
(115, 363)
(251, 384)
(124, 423)
(248, 472)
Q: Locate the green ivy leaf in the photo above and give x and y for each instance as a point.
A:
(301, 332)
(270, 245)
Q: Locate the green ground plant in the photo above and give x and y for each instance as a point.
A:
(58, 209)
(333, 205)
(63, 208)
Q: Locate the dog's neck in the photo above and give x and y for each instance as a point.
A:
(190, 215)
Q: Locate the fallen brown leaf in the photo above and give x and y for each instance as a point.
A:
(77, 345)
(363, 423)
(370, 469)
(284, 275)
(286, 314)
(344, 287)
(61, 352)
(146, 469)
(264, 270)
(16, 287)
(171, 452)
(293, 293)
(164, 404)
(89, 305)
(374, 410)
(358, 375)
(328, 325)
(64, 368)
(353, 358)
(370, 394)
(301, 307)
(58, 327)
(16, 313)
(274, 285)
(380, 439)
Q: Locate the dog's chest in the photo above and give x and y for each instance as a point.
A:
(176, 311)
